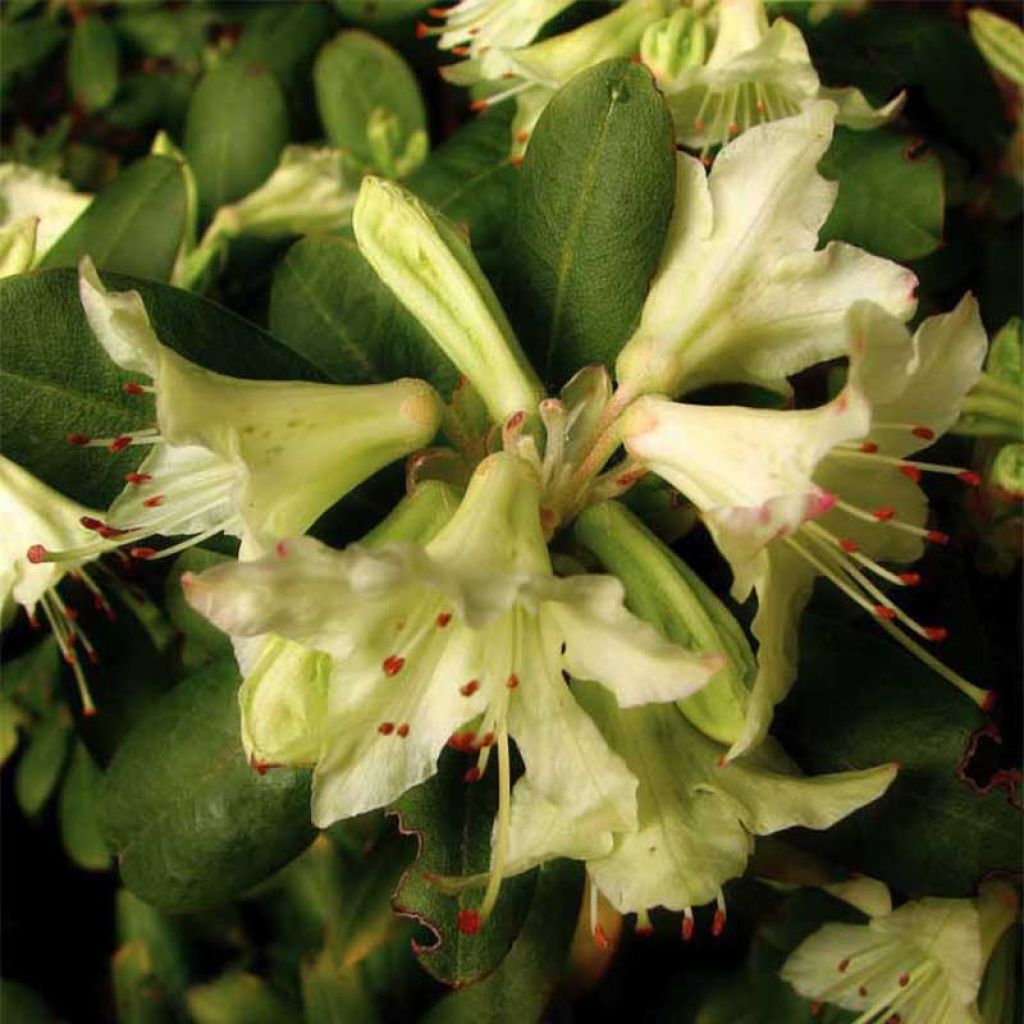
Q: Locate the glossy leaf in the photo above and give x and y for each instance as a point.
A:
(861, 701)
(891, 196)
(329, 306)
(452, 821)
(236, 128)
(92, 63)
(79, 827)
(41, 762)
(592, 206)
(134, 226)
(56, 379)
(192, 824)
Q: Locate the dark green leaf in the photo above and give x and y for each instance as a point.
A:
(56, 379)
(26, 44)
(329, 306)
(335, 996)
(452, 820)
(519, 989)
(92, 64)
(179, 35)
(861, 701)
(41, 762)
(159, 933)
(592, 206)
(891, 198)
(237, 126)
(19, 1004)
(239, 999)
(373, 12)
(79, 827)
(134, 226)
(192, 824)
(31, 681)
(283, 37)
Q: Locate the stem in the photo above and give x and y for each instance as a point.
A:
(501, 840)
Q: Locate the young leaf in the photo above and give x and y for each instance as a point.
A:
(191, 822)
(79, 829)
(236, 128)
(134, 226)
(41, 763)
(92, 63)
(592, 206)
(329, 306)
(239, 998)
(891, 200)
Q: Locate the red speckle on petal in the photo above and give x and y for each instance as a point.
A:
(862, 991)
(90, 523)
(869, 447)
(132, 388)
(904, 980)
(469, 922)
(842, 965)
(521, 137)
(470, 688)
(403, 730)
(392, 665)
(487, 739)
(464, 742)
(155, 502)
(884, 514)
(421, 30)
(848, 546)
(281, 549)
(443, 619)
(386, 728)
(515, 420)
(512, 682)
(925, 433)
(137, 478)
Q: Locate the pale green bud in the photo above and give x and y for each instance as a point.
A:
(390, 156)
(1001, 42)
(669, 47)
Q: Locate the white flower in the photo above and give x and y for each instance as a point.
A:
(256, 459)
(463, 641)
(920, 964)
(741, 294)
(754, 73)
(29, 193)
(826, 491)
(470, 27)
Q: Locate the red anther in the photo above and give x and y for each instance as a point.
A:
(718, 923)
(36, 554)
(469, 922)
(515, 420)
(645, 931)
(392, 664)
(478, 105)
(402, 730)
(969, 477)
(843, 964)
(990, 701)
(437, 12)
(601, 937)
(386, 728)
(260, 767)
(486, 740)
(281, 549)
(937, 537)
(848, 546)
(460, 51)
(521, 137)
(472, 775)
(155, 502)
(904, 980)
(925, 433)
(132, 388)
(884, 612)
(936, 633)
(869, 447)
(462, 741)
(89, 712)
(69, 658)
(512, 682)
(443, 619)
(90, 523)
(422, 31)
(884, 514)
(628, 479)
(79, 439)
(120, 442)
(142, 553)
(910, 579)
(687, 928)
(109, 532)
(470, 688)
(137, 478)
(911, 473)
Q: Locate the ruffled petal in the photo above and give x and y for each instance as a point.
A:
(855, 112)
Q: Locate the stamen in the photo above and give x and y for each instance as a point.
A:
(501, 839)
(132, 387)
(137, 478)
(687, 924)
(718, 922)
(643, 925)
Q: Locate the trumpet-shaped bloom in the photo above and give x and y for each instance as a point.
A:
(827, 491)
(30, 513)
(696, 815)
(463, 641)
(30, 194)
(753, 73)
(920, 964)
(256, 459)
(471, 27)
(532, 74)
(741, 294)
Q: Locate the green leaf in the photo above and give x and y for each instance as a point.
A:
(283, 37)
(27, 44)
(891, 197)
(329, 306)
(12, 718)
(39, 768)
(355, 75)
(592, 206)
(239, 999)
(138, 994)
(236, 128)
(92, 64)
(333, 996)
(373, 12)
(134, 226)
(192, 824)
(200, 641)
(520, 988)
(469, 179)
(79, 828)
(30, 681)
(860, 702)
(452, 820)
(19, 1004)
(56, 379)
(160, 934)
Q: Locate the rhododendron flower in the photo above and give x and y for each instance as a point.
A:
(742, 294)
(753, 73)
(470, 27)
(463, 641)
(256, 459)
(31, 199)
(920, 964)
(826, 491)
